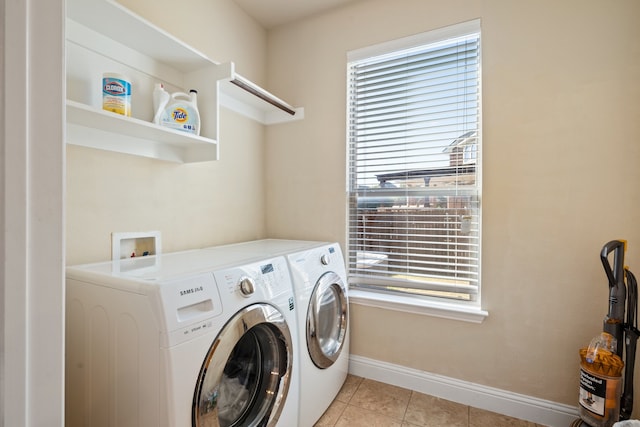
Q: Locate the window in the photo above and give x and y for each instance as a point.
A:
(414, 166)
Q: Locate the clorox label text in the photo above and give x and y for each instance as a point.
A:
(114, 88)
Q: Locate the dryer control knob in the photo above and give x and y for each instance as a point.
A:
(247, 286)
(324, 259)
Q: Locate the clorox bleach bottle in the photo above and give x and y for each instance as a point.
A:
(179, 111)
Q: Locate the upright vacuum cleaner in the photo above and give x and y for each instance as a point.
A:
(601, 363)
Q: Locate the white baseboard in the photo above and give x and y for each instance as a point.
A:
(528, 408)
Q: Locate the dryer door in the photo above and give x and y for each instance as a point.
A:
(245, 377)
(327, 320)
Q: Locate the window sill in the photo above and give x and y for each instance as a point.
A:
(412, 305)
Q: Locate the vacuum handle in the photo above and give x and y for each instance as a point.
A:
(631, 338)
(616, 272)
(626, 400)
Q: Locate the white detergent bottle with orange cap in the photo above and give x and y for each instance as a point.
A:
(179, 111)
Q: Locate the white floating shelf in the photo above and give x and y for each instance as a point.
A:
(116, 22)
(245, 97)
(89, 127)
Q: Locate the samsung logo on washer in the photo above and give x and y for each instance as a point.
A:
(190, 291)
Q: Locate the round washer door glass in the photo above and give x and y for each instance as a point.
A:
(245, 377)
(327, 320)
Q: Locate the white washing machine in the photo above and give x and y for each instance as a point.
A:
(320, 285)
(196, 338)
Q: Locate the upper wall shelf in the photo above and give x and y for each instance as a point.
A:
(148, 54)
(89, 127)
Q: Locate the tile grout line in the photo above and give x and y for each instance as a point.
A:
(348, 402)
(406, 408)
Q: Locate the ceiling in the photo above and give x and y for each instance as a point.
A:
(271, 13)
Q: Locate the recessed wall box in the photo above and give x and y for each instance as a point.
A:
(135, 244)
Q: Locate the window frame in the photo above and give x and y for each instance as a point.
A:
(439, 307)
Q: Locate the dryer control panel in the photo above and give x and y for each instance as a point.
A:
(310, 264)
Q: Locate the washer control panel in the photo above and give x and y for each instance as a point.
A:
(247, 286)
(263, 279)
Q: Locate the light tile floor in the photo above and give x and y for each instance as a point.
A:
(368, 403)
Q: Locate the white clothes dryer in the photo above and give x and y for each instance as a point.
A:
(196, 338)
(320, 285)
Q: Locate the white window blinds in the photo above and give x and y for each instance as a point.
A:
(414, 168)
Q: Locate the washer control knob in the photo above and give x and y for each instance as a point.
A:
(247, 286)
(324, 259)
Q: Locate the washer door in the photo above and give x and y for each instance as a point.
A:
(327, 320)
(245, 377)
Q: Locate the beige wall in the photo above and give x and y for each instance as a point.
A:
(561, 126)
(193, 205)
(561, 153)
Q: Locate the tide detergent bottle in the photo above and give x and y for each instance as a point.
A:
(177, 111)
